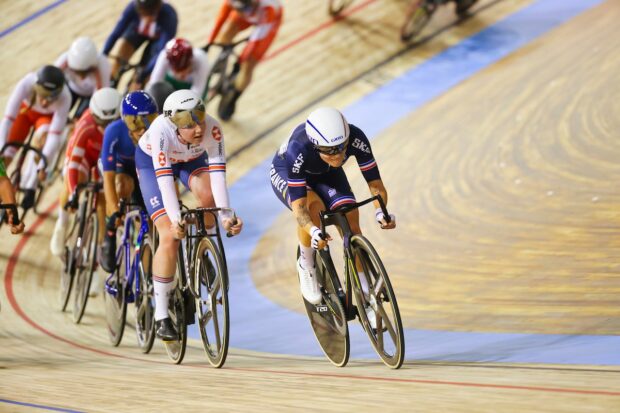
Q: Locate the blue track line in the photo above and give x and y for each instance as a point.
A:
(261, 325)
(31, 17)
(39, 406)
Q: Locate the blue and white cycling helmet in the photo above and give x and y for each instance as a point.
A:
(138, 110)
(328, 130)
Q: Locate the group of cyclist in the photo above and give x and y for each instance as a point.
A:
(140, 143)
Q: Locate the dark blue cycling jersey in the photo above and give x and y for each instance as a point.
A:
(118, 150)
(166, 29)
(299, 162)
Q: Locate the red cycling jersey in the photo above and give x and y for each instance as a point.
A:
(83, 149)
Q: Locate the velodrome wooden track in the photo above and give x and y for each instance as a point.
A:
(505, 188)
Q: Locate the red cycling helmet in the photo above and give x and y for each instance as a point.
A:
(179, 53)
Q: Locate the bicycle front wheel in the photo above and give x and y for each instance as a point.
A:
(145, 301)
(114, 296)
(86, 263)
(211, 284)
(377, 301)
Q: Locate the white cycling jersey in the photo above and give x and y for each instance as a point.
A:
(87, 85)
(165, 147)
(24, 92)
(197, 77)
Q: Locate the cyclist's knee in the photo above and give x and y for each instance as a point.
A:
(124, 186)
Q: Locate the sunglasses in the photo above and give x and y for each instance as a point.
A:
(139, 122)
(45, 93)
(188, 119)
(332, 150)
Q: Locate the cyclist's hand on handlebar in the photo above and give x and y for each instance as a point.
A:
(233, 225)
(319, 240)
(72, 203)
(178, 229)
(15, 229)
(41, 175)
(381, 219)
(206, 47)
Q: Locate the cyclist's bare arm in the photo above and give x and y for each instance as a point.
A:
(376, 187)
(304, 220)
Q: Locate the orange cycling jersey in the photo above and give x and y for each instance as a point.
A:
(83, 149)
(266, 16)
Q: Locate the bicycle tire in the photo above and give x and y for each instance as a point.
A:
(415, 20)
(211, 284)
(145, 306)
(86, 268)
(376, 273)
(176, 310)
(68, 268)
(328, 319)
(114, 295)
(335, 7)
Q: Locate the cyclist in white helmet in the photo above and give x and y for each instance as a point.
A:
(307, 177)
(86, 70)
(185, 143)
(81, 165)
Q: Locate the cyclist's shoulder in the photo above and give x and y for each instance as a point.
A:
(213, 128)
(167, 12)
(115, 130)
(199, 54)
(160, 129)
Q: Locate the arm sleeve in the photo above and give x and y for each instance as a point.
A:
(22, 91)
(109, 149)
(222, 15)
(59, 120)
(163, 172)
(128, 14)
(75, 157)
(363, 155)
(296, 178)
(214, 145)
(159, 71)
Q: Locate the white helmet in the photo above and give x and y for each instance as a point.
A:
(327, 127)
(184, 108)
(105, 104)
(82, 54)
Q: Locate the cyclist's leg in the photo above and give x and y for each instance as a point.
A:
(164, 260)
(18, 132)
(259, 43)
(195, 176)
(126, 46)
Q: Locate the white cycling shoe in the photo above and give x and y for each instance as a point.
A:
(57, 243)
(309, 284)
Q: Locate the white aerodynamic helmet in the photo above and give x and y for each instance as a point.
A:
(327, 127)
(184, 108)
(105, 104)
(82, 54)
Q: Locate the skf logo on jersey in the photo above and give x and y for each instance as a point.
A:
(216, 133)
(154, 202)
(361, 146)
(298, 162)
(162, 159)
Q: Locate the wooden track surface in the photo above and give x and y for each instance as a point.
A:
(507, 197)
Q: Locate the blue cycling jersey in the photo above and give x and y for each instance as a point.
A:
(118, 150)
(166, 29)
(299, 160)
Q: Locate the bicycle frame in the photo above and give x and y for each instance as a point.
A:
(338, 218)
(131, 266)
(220, 65)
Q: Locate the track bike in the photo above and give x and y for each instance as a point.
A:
(329, 319)
(28, 156)
(132, 281)
(201, 288)
(419, 13)
(80, 256)
(221, 77)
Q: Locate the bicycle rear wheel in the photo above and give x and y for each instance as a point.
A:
(211, 283)
(145, 302)
(328, 319)
(114, 295)
(86, 264)
(416, 18)
(388, 337)
(176, 310)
